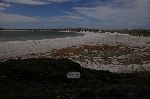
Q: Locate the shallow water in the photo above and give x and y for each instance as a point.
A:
(34, 35)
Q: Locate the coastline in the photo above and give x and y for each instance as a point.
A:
(32, 48)
(12, 49)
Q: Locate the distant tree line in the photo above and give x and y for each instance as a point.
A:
(133, 32)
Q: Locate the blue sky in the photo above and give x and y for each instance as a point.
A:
(104, 14)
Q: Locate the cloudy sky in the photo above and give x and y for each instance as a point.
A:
(106, 14)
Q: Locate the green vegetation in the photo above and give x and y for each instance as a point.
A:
(45, 78)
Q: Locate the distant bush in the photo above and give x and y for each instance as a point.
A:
(134, 32)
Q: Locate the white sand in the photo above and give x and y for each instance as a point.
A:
(18, 48)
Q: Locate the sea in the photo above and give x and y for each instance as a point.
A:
(6, 36)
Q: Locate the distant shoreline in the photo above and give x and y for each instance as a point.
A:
(43, 48)
(133, 32)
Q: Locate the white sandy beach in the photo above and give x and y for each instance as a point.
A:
(16, 49)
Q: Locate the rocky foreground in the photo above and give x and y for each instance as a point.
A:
(45, 78)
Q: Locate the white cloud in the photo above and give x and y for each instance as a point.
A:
(59, 1)
(20, 21)
(34, 2)
(14, 18)
(28, 2)
(3, 6)
(68, 17)
(129, 12)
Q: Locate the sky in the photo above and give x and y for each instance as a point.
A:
(104, 14)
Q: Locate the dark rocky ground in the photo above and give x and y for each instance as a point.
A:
(45, 78)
